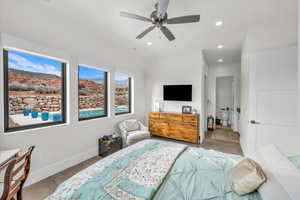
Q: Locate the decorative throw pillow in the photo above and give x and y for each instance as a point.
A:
(247, 176)
(132, 125)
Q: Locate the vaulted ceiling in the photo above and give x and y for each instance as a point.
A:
(98, 21)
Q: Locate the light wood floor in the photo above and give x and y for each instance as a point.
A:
(224, 134)
(44, 188)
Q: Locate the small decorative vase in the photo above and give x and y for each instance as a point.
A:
(156, 106)
(161, 107)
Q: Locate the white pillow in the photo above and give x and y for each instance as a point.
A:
(283, 177)
(131, 125)
(247, 176)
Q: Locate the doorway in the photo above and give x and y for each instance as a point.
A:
(225, 92)
(224, 102)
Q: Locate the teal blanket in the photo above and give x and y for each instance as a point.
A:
(155, 170)
(200, 174)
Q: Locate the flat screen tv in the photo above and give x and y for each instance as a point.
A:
(177, 92)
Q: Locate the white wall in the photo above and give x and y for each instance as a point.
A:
(176, 70)
(62, 146)
(224, 94)
(224, 70)
(298, 75)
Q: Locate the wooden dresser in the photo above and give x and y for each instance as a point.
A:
(176, 126)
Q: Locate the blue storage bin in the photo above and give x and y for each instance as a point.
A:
(45, 116)
(26, 112)
(34, 114)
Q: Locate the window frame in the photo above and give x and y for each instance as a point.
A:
(129, 97)
(105, 93)
(8, 129)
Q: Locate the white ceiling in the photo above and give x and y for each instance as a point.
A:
(87, 19)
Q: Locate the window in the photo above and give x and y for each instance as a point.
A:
(34, 91)
(122, 94)
(92, 89)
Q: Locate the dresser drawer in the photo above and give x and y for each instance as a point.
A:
(154, 116)
(189, 119)
(183, 130)
(180, 136)
(158, 127)
(171, 117)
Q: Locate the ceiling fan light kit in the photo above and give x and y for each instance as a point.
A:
(159, 18)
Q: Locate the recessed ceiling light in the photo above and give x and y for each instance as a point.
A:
(219, 23)
(220, 60)
(220, 46)
(149, 43)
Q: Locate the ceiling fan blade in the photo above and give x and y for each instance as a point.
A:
(167, 33)
(148, 30)
(134, 16)
(184, 19)
(162, 8)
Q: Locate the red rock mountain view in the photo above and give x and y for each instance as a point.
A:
(33, 79)
(86, 84)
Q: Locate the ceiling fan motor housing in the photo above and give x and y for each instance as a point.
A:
(156, 20)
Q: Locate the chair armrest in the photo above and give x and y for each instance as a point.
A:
(142, 127)
(124, 132)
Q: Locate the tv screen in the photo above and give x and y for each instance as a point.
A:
(177, 92)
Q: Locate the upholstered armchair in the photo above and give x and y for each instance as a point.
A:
(132, 131)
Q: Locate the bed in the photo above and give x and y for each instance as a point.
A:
(156, 170)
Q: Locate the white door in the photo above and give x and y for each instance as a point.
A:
(273, 96)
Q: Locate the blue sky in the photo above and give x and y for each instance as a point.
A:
(96, 75)
(87, 73)
(121, 77)
(26, 62)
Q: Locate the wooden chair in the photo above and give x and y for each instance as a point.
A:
(15, 176)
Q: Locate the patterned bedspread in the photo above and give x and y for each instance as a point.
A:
(155, 170)
(134, 173)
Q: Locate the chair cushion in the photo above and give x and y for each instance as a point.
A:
(131, 125)
(247, 176)
(136, 136)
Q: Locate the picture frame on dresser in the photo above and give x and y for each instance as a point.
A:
(187, 109)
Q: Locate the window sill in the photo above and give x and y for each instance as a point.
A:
(12, 131)
(124, 114)
(93, 118)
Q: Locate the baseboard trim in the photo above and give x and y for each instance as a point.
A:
(55, 168)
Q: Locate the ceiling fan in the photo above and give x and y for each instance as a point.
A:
(159, 17)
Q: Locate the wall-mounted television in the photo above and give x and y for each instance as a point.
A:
(177, 92)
